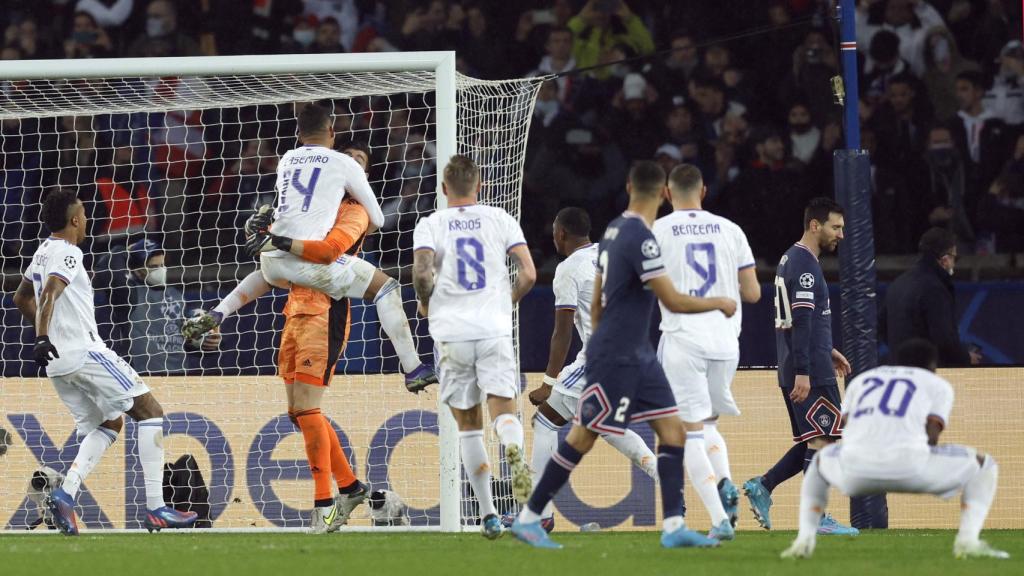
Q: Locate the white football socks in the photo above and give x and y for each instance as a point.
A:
(395, 324)
(545, 442)
(151, 455)
(813, 500)
(90, 451)
(478, 469)
(672, 523)
(976, 501)
(632, 446)
(718, 454)
(509, 430)
(702, 477)
(250, 288)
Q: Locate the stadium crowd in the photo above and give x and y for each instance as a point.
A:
(942, 106)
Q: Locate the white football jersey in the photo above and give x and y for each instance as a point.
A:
(704, 254)
(311, 183)
(472, 297)
(886, 410)
(72, 328)
(574, 288)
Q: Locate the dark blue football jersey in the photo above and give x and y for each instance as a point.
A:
(803, 319)
(628, 257)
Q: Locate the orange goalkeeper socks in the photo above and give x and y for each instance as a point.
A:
(340, 467)
(318, 451)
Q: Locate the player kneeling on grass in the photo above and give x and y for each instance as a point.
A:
(296, 247)
(893, 417)
(94, 383)
(462, 284)
(625, 382)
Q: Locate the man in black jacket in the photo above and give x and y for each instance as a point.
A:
(919, 304)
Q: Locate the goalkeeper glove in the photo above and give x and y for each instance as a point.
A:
(260, 221)
(44, 351)
(264, 242)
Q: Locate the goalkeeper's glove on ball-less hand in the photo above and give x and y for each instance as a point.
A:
(265, 242)
(44, 351)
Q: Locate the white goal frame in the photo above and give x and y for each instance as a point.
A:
(441, 63)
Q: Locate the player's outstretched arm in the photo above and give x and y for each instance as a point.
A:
(527, 275)
(351, 224)
(423, 277)
(25, 301)
(683, 304)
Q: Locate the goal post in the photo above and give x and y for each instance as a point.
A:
(188, 130)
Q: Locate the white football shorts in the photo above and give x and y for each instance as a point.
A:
(102, 389)
(702, 386)
(346, 277)
(566, 394)
(470, 371)
(944, 474)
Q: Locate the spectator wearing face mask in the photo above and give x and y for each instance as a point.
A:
(87, 39)
(920, 303)
(149, 313)
(162, 36)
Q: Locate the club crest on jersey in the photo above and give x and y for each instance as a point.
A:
(70, 261)
(807, 280)
(825, 420)
(650, 249)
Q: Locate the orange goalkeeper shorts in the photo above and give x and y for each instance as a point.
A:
(311, 344)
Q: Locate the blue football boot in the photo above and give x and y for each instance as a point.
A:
(548, 524)
(829, 526)
(420, 378)
(534, 535)
(730, 500)
(62, 506)
(724, 531)
(167, 517)
(685, 538)
(491, 527)
(760, 501)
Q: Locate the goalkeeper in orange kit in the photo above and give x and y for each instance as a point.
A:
(315, 333)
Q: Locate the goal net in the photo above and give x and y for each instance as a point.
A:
(179, 152)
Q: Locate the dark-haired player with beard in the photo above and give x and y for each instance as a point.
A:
(808, 364)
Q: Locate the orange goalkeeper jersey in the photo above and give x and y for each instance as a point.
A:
(346, 237)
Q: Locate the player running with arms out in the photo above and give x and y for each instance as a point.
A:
(892, 419)
(557, 398)
(625, 383)
(347, 276)
(96, 386)
(462, 284)
(705, 255)
(808, 364)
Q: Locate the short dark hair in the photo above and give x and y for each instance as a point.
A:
(361, 145)
(56, 207)
(919, 353)
(685, 178)
(313, 120)
(819, 209)
(647, 177)
(884, 46)
(975, 77)
(936, 242)
(575, 221)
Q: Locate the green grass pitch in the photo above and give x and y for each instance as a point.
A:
(903, 552)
